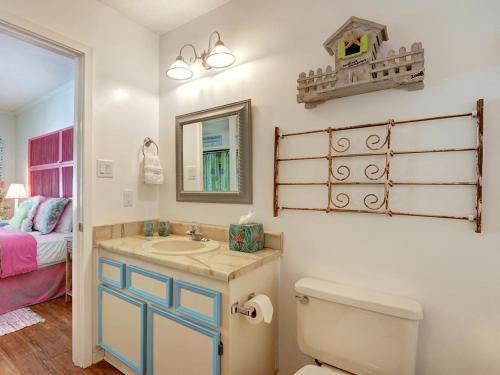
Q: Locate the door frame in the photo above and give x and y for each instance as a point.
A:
(82, 317)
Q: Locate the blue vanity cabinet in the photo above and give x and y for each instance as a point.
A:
(158, 320)
(177, 345)
(122, 327)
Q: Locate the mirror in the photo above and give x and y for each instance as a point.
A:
(214, 158)
(210, 155)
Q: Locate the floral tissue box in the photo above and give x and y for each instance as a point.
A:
(246, 237)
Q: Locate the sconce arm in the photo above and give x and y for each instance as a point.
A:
(192, 59)
(210, 40)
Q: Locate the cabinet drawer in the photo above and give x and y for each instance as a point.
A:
(111, 272)
(179, 346)
(122, 327)
(150, 285)
(198, 303)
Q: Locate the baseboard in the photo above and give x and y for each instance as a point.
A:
(113, 361)
(97, 355)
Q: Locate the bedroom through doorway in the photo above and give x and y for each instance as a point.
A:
(38, 184)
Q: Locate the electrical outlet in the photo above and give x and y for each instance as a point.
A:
(104, 168)
(128, 198)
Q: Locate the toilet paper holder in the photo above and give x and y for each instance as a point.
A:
(236, 308)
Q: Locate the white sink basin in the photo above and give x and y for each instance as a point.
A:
(179, 246)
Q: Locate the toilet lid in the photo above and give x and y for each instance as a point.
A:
(317, 370)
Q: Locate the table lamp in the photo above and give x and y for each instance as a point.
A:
(16, 192)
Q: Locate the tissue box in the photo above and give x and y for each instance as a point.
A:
(246, 237)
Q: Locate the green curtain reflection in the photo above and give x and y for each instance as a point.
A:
(216, 171)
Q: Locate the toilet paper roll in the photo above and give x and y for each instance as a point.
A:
(263, 308)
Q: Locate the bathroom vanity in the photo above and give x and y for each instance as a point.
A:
(160, 313)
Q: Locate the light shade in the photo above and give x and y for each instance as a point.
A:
(220, 56)
(16, 191)
(179, 69)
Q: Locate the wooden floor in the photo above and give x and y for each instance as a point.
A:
(45, 348)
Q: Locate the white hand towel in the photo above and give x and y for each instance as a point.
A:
(153, 172)
(151, 160)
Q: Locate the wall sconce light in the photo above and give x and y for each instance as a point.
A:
(218, 56)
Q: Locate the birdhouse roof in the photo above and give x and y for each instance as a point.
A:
(353, 22)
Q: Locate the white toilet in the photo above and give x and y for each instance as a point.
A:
(350, 330)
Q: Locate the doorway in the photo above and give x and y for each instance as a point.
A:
(72, 179)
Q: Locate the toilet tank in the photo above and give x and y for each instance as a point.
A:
(357, 330)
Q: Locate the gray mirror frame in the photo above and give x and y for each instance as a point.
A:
(245, 194)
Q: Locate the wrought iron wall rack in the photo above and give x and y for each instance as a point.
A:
(378, 147)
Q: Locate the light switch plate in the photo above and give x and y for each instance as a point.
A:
(128, 198)
(104, 168)
(192, 173)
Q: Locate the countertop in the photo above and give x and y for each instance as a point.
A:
(220, 264)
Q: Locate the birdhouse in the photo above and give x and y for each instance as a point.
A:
(360, 66)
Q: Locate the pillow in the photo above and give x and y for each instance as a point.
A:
(27, 224)
(48, 214)
(65, 224)
(36, 202)
(20, 215)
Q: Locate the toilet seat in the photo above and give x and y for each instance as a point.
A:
(323, 370)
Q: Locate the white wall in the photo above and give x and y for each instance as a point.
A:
(125, 94)
(192, 157)
(443, 264)
(53, 111)
(8, 134)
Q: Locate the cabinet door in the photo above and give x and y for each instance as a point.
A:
(179, 346)
(122, 327)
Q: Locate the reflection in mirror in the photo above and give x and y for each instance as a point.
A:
(211, 155)
(214, 154)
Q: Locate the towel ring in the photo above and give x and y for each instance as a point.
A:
(147, 143)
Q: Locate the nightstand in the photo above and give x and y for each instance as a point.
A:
(69, 251)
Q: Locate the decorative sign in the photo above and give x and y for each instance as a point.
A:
(353, 63)
(416, 75)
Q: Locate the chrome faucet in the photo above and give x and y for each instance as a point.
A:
(194, 233)
(193, 229)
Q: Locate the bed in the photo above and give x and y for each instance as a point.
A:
(44, 283)
(51, 248)
(36, 273)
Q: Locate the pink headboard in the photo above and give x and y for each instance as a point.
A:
(50, 164)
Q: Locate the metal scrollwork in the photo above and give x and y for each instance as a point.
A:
(374, 142)
(371, 202)
(361, 163)
(342, 199)
(343, 143)
(372, 172)
(343, 172)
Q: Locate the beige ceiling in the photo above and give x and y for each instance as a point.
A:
(161, 16)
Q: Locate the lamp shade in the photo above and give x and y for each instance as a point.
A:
(179, 69)
(16, 191)
(220, 56)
